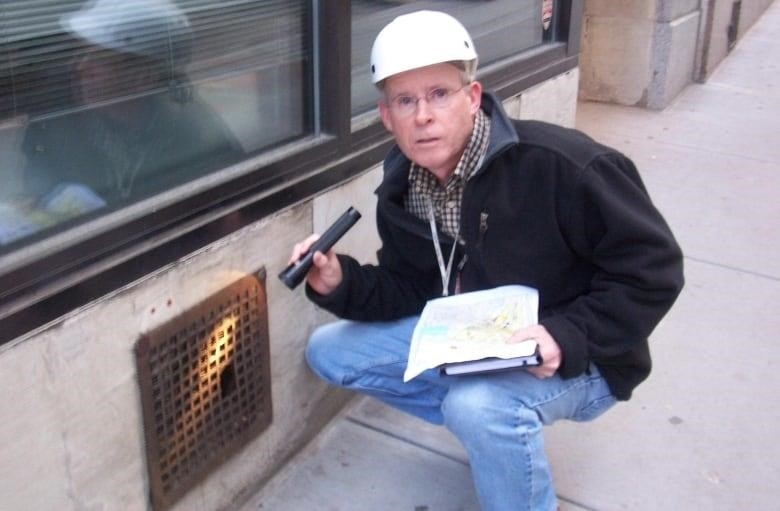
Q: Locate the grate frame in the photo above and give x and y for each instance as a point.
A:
(205, 387)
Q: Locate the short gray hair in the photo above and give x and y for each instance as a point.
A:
(467, 68)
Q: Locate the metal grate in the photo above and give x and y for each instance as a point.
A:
(205, 384)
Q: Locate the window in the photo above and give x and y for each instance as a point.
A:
(133, 132)
(112, 101)
(499, 29)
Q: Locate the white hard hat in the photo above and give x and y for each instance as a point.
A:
(151, 28)
(420, 39)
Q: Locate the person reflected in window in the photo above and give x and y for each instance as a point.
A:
(138, 126)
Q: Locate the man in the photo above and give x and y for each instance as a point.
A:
(528, 203)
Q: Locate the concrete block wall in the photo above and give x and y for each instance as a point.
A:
(639, 53)
(72, 436)
(713, 38)
(751, 11)
(553, 101)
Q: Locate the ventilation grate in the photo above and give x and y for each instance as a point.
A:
(205, 385)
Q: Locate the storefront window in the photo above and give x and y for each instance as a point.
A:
(499, 28)
(106, 102)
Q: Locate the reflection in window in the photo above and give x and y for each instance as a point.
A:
(105, 102)
(499, 28)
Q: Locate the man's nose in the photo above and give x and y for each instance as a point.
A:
(422, 111)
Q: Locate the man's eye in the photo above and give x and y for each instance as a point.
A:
(404, 100)
(439, 93)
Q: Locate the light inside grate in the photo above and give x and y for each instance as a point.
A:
(205, 384)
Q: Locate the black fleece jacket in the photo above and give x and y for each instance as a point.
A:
(551, 209)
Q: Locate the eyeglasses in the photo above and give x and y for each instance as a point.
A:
(439, 98)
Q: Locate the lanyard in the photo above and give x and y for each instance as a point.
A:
(444, 271)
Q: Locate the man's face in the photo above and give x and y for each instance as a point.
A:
(105, 75)
(432, 137)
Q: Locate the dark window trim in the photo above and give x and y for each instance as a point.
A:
(42, 290)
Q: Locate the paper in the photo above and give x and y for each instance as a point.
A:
(472, 326)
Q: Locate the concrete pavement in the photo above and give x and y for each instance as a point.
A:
(701, 432)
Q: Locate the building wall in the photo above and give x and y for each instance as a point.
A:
(638, 53)
(714, 40)
(645, 52)
(72, 436)
(751, 11)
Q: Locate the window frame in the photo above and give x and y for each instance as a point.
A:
(42, 281)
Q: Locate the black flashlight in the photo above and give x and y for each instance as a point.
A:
(296, 272)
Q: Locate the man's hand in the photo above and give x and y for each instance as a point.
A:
(325, 273)
(548, 348)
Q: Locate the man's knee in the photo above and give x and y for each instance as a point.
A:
(320, 353)
(467, 404)
(474, 406)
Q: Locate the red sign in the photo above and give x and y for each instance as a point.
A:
(547, 13)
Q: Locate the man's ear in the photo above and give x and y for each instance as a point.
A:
(384, 113)
(474, 93)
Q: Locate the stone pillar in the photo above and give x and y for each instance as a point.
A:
(638, 52)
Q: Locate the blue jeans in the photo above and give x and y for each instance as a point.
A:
(498, 417)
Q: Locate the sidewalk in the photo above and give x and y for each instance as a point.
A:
(701, 432)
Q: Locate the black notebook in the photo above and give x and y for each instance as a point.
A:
(492, 364)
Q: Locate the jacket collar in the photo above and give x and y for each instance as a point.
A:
(502, 131)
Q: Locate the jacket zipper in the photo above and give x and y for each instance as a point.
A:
(483, 226)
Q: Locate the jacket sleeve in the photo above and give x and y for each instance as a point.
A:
(404, 280)
(638, 267)
(373, 293)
